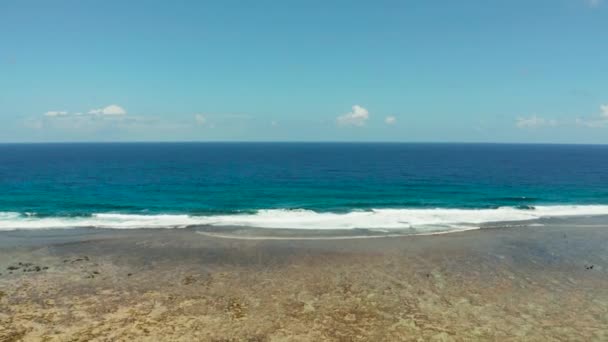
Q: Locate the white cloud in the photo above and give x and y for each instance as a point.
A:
(591, 123)
(200, 119)
(595, 121)
(390, 120)
(534, 121)
(593, 3)
(357, 117)
(55, 113)
(604, 111)
(109, 110)
(81, 124)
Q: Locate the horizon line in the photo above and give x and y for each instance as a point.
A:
(289, 142)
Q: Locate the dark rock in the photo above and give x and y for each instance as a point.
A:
(525, 207)
(84, 258)
(188, 280)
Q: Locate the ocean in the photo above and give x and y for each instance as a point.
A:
(421, 187)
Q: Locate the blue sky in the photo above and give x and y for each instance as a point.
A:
(469, 71)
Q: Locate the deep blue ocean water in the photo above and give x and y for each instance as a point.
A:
(50, 182)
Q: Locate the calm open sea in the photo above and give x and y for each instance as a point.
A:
(297, 185)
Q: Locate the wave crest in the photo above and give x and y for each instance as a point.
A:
(419, 219)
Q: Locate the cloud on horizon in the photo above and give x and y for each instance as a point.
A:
(597, 121)
(594, 121)
(534, 121)
(604, 110)
(53, 113)
(109, 110)
(109, 116)
(390, 120)
(357, 117)
(200, 119)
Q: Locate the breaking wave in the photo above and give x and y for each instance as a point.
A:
(439, 219)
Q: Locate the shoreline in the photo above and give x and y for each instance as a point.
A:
(421, 220)
(270, 233)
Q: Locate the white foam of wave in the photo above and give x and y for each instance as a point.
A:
(420, 219)
(11, 221)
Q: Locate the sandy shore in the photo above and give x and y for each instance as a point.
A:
(527, 283)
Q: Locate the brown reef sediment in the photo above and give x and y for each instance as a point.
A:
(531, 284)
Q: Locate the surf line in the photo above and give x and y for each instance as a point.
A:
(318, 238)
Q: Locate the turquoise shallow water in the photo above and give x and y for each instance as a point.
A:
(295, 184)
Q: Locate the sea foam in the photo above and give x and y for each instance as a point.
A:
(423, 220)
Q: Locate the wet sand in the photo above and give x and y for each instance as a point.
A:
(529, 283)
